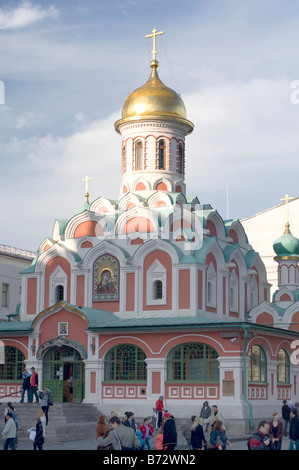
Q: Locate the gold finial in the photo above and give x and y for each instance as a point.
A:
(86, 180)
(287, 198)
(153, 35)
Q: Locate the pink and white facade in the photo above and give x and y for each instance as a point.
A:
(155, 294)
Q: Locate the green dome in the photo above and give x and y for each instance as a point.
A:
(287, 244)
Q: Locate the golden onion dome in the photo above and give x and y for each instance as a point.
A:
(154, 100)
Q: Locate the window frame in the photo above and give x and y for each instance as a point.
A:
(286, 365)
(115, 368)
(261, 366)
(179, 366)
(161, 154)
(14, 361)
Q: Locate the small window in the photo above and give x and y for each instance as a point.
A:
(283, 367)
(158, 290)
(138, 155)
(181, 159)
(257, 366)
(211, 286)
(59, 293)
(161, 164)
(124, 158)
(5, 291)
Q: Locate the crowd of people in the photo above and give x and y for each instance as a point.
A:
(269, 435)
(123, 433)
(204, 432)
(38, 432)
(10, 431)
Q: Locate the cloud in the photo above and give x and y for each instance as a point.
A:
(25, 15)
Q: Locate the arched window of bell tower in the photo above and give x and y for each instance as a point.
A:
(180, 158)
(161, 154)
(138, 154)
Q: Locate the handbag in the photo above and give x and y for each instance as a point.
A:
(32, 435)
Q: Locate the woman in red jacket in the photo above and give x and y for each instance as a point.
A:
(159, 409)
(147, 431)
(276, 431)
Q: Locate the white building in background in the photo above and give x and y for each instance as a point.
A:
(265, 227)
(12, 261)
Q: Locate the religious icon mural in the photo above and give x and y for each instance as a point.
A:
(106, 279)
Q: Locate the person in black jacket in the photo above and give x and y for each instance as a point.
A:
(285, 413)
(294, 430)
(197, 434)
(169, 432)
(39, 437)
(130, 420)
(26, 385)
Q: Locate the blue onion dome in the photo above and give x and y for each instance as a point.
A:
(287, 244)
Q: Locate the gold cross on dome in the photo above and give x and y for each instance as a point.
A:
(153, 35)
(287, 198)
(86, 180)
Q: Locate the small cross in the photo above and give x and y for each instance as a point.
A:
(86, 180)
(155, 33)
(287, 198)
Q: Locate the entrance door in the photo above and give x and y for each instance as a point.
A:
(63, 367)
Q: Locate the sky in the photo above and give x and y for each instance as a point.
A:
(67, 67)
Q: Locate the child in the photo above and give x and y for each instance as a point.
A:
(141, 440)
(147, 431)
(159, 440)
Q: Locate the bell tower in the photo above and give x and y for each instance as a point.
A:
(153, 127)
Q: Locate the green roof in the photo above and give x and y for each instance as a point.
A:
(15, 327)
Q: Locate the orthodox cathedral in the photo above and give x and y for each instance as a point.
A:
(155, 293)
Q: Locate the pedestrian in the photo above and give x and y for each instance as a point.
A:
(218, 437)
(197, 434)
(294, 430)
(186, 431)
(33, 386)
(102, 427)
(215, 416)
(41, 415)
(159, 410)
(260, 440)
(169, 432)
(26, 385)
(276, 431)
(285, 412)
(130, 420)
(39, 436)
(120, 437)
(205, 414)
(70, 387)
(46, 400)
(159, 439)
(141, 440)
(147, 431)
(9, 432)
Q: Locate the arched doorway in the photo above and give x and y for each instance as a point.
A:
(60, 366)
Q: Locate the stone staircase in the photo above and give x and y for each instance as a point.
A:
(67, 421)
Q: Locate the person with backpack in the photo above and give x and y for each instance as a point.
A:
(46, 401)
